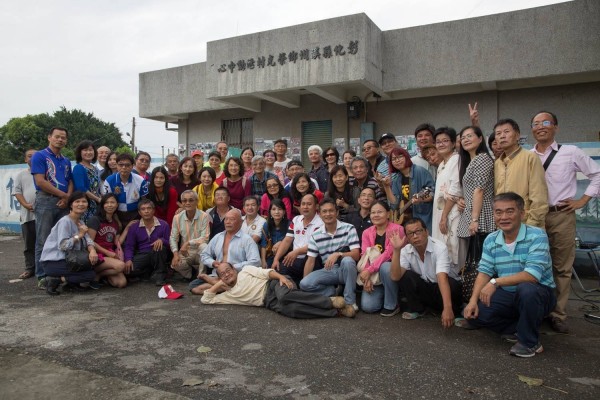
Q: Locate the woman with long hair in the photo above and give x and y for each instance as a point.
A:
(86, 178)
(69, 233)
(301, 186)
(237, 184)
(448, 192)
(162, 194)
(270, 158)
(339, 190)
(331, 156)
(411, 180)
(273, 232)
(206, 189)
(275, 190)
(347, 158)
(476, 174)
(186, 179)
(382, 294)
(104, 230)
(246, 156)
(111, 168)
(214, 161)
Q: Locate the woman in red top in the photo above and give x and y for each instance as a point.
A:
(104, 230)
(163, 195)
(214, 161)
(237, 184)
(275, 190)
(186, 179)
(301, 186)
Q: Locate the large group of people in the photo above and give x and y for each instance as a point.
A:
(381, 232)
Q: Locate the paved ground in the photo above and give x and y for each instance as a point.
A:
(128, 344)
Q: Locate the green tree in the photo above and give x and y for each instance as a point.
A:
(30, 132)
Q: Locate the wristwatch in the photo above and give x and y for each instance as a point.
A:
(493, 281)
(76, 237)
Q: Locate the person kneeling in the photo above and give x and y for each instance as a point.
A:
(515, 303)
(259, 287)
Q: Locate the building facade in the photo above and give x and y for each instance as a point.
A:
(342, 80)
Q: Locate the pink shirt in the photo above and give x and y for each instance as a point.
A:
(561, 175)
(265, 204)
(368, 240)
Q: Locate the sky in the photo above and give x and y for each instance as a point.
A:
(87, 54)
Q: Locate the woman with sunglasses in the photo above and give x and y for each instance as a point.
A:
(331, 157)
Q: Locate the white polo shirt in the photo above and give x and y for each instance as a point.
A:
(302, 233)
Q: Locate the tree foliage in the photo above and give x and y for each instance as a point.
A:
(31, 132)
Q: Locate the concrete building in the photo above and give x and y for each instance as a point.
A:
(308, 81)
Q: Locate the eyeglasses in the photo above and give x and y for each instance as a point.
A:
(144, 160)
(330, 155)
(397, 158)
(469, 136)
(124, 165)
(272, 186)
(543, 123)
(415, 233)
(443, 141)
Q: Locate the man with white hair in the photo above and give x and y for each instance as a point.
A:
(231, 246)
(103, 153)
(319, 170)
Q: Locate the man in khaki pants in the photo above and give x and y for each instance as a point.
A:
(561, 164)
(189, 236)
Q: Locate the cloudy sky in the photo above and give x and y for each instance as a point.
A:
(88, 54)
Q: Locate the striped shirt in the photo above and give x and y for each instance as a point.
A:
(189, 230)
(531, 254)
(128, 193)
(323, 244)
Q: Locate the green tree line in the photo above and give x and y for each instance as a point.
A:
(31, 132)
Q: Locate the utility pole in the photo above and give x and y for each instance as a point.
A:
(163, 154)
(133, 148)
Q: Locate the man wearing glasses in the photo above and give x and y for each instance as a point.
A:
(142, 163)
(520, 171)
(128, 187)
(424, 274)
(561, 164)
(189, 236)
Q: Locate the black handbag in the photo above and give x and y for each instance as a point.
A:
(469, 271)
(78, 259)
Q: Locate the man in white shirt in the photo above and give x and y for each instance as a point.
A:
(254, 286)
(422, 269)
(252, 222)
(300, 230)
(25, 195)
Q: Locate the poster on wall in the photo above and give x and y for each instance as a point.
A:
(409, 143)
(294, 148)
(355, 145)
(340, 145)
(259, 145)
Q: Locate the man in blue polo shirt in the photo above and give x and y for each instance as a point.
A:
(514, 289)
(128, 187)
(338, 246)
(53, 183)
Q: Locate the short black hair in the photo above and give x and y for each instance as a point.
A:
(328, 200)
(82, 146)
(251, 197)
(142, 153)
(448, 131)
(414, 220)
(294, 162)
(222, 189)
(57, 128)
(210, 171)
(125, 156)
(143, 201)
(425, 127)
(215, 153)
(509, 121)
(282, 141)
(511, 196)
(76, 195)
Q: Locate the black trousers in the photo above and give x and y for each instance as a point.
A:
(28, 231)
(153, 263)
(421, 294)
(295, 303)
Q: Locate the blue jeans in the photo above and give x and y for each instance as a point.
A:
(522, 311)
(384, 295)
(323, 281)
(47, 215)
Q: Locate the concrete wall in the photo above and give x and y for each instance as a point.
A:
(364, 65)
(539, 42)
(175, 91)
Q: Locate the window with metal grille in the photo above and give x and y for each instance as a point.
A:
(237, 132)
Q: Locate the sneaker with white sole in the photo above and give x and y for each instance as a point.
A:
(389, 313)
(520, 350)
(411, 315)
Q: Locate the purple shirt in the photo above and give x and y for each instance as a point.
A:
(561, 175)
(138, 240)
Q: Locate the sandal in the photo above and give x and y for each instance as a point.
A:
(26, 275)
